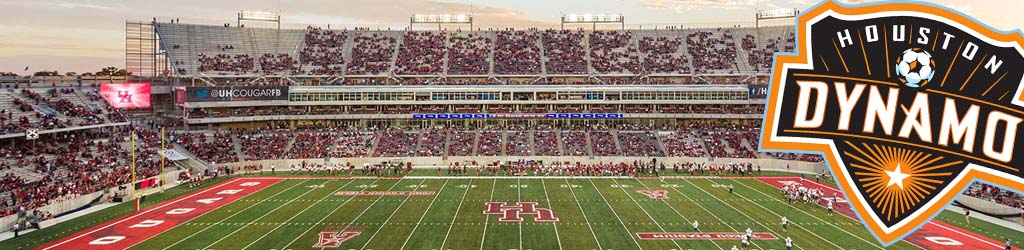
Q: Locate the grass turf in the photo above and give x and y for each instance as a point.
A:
(593, 213)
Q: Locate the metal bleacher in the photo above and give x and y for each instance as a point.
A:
(186, 41)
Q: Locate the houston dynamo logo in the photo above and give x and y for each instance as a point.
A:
(909, 103)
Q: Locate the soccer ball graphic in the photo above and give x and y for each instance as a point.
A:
(915, 67)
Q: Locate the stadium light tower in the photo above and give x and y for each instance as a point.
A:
(440, 19)
(259, 16)
(592, 19)
(774, 14)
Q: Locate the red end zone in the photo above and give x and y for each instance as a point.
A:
(934, 235)
(134, 228)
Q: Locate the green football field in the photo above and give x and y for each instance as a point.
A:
(593, 213)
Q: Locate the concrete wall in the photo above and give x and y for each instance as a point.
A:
(428, 162)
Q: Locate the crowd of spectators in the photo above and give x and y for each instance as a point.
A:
(640, 144)
(517, 142)
(468, 54)
(610, 52)
(421, 53)
(760, 58)
(323, 51)
(683, 142)
(662, 55)
(432, 143)
(258, 144)
(712, 51)
(564, 52)
(604, 143)
(371, 54)
(996, 194)
(353, 143)
(575, 142)
(238, 63)
(218, 149)
(396, 142)
(72, 164)
(278, 63)
(461, 143)
(516, 52)
(316, 143)
(545, 142)
(489, 143)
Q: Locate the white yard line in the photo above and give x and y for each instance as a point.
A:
(349, 224)
(260, 218)
(631, 235)
(392, 215)
(424, 214)
(765, 209)
(681, 214)
(519, 198)
(457, 208)
(555, 225)
(585, 219)
(808, 214)
(656, 223)
(483, 238)
(297, 214)
(233, 215)
(328, 215)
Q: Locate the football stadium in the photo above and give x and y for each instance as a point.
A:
(445, 133)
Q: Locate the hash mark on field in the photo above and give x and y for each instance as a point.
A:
(631, 235)
(457, 208)
(443, 185)
(587, 220)
(393, 213)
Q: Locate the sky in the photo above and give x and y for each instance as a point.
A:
(86, 35)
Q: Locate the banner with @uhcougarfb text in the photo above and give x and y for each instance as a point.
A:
(236, 93)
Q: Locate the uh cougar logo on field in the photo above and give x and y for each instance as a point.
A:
(908, 102)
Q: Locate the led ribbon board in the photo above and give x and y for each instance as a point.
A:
(908, 102)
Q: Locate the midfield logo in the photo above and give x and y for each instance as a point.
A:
(334, 239)
(513, 213)
(659, 194)
(908, 102)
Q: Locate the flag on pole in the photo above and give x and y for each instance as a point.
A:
(26, 67)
